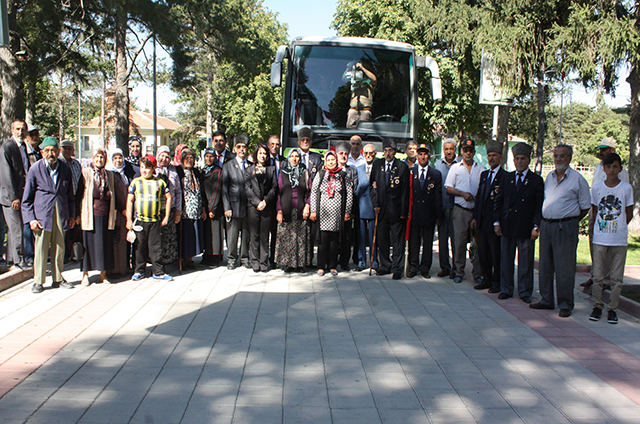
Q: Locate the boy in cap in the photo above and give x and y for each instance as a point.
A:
(146, 193)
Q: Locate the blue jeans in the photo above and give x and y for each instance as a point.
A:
(367, 227)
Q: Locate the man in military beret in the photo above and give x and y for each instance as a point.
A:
(390, 198)
(517, 216)
(488, 242)
(313, 162)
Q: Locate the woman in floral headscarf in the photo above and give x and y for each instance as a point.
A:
(192, 208)
(103, 197)
(135, 152)
(292, 241)
(331, 201)
(214, 221)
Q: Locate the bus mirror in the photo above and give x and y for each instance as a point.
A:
(436, 88)
(436, 83)
(276, 74)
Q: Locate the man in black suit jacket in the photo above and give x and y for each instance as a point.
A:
(488, 241)
(517, 215)
(234, 200)
(426, 213)
(390, 198)
(278, 161)
(14, 164)
(220, 146)
(313, 162)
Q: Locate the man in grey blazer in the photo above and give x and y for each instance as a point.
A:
(14, 164)
(234, 200)
(48, 205)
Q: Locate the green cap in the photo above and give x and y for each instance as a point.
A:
(48, 141)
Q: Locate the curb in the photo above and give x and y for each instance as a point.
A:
(14, 277)
(625, 304)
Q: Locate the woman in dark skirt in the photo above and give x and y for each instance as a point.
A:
(126, 172)
(213, 223)
(261, 186)
(292, 241)
(102, 198)
(192, 208)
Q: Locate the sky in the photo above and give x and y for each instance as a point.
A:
(296, 14)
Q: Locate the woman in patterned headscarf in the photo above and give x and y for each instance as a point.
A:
(292, 241)
(213, 223)
(135, 152)
(192, 208)
(103, 196)
(331, 201)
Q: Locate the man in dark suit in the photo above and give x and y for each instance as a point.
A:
(14, 164)
(220, 146)
(48, 205)
(426, 213)
(390, 199)
(348, 235)
(277, 160)
(517, 215)
(313, 163)
(488, 248)
(234, 200)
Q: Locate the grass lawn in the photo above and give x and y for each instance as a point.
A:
(583, 257)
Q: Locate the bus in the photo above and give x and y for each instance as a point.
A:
(342, 86)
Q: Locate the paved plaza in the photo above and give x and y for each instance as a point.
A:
(220, 346)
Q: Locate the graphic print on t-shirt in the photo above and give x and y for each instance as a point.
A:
(609, 210)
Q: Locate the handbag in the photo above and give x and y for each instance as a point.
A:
(77, 251)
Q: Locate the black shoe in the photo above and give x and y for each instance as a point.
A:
(503, 296)
(482, 286)
(359, 268)
(345, 268)
(37, 288)
(397, 276)
(383, 272)
(426, 275)
(231, 265)
(595, 314)
(540, 305)
(65, 285)
(246, 265)
(612, 317)
(526, 299)
(494, 290)
(29, 264)
(452, 275)
(444, 273)
(564, 313)
(411, 274)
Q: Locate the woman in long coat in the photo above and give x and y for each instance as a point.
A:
(261, 187)
(103, 196)
(192, 208)
(213, 223)
(331, 201)
(292, 240)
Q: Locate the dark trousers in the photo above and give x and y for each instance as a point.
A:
(259, 229)
(234, 227)
(355, 225)
(149, 247)
(421, 235)
(558, 244)
(27, 242)
(445, 235)
(13, 219)
(526, 248)
(365, 235)
(314, 232)
(391, 235)
(272, 244)
(488, 251)
(328, 249)
(72, 236)
(347, 238)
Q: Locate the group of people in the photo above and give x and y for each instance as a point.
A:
(273, 211)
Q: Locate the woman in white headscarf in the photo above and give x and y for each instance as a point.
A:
(126, 172)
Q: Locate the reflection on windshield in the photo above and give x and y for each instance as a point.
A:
(363, 89)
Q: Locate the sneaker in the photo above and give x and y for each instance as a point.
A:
(163, 277)
(595, 314)
(137, 276)
(612, 317)
(37, 288)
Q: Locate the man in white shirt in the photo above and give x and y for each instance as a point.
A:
(355, 157)
(462, 182)
(445, 228)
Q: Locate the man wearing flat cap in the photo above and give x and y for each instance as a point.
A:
(312, 162)
(491, 183)
(390, 198)
(48, 205)
(517, 216)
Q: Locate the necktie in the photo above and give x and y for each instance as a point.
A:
(25, 158)
(220, 160)
(368, 171)
(519, 181)
(421, 177)
(488, 184)
(388, 173)
(304, 160)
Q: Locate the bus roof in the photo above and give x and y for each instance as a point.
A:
(352, 41)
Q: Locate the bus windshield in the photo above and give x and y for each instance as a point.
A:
(351, 90)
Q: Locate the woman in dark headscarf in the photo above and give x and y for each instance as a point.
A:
(135, 152)
(192, 208)
(292, 241)
(103, 196)
(261, 186)
(213, 223)
(331, 201)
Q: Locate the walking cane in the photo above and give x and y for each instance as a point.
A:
(373, 243)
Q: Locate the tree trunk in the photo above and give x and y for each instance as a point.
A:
(30, 111)
(503, 131)
(542, 125)
(634, 143)
(122, 82)
(12, 106)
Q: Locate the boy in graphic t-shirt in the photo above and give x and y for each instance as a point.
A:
(146, 193)
(612, 206)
